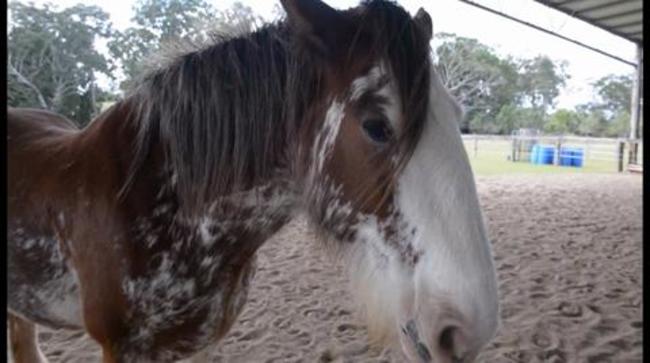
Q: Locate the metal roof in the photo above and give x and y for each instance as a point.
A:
(621, 17)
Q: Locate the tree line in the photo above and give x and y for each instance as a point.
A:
(502, 94)
(53, 62)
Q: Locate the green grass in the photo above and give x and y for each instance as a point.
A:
(491, 158)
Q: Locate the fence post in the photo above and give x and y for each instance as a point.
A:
(621, 152)
(556, 158)
(475, 145)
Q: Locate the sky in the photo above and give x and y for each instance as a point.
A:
(504, 36)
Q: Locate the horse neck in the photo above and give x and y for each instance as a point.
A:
(238, 221)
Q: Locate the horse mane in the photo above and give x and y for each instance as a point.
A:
(224, 113)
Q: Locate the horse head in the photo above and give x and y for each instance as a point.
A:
(388, 182)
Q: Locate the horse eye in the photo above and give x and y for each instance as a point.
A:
(378, 130)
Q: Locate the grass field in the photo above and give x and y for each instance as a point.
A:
(491, 158)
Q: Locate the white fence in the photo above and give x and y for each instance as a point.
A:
(605, 152)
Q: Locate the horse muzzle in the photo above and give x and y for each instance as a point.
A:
(442, 340)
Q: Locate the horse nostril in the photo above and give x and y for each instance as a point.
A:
(447, 339)
(452, 343)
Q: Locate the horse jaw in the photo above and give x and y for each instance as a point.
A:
(379, 282)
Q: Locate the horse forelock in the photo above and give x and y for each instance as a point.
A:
(399, 53)
(396, 52)
(396, 39)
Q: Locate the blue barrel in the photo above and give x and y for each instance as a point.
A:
(578, 157)
(534, 154)
(566, 156)
(572, 156)
(542, 154)
(548, 152)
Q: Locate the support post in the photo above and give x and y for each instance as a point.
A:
(635, 112)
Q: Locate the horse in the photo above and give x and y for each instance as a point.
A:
(141, 229)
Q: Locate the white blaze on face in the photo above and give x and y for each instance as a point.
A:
(380, 280)
(327, 136)
(436, 194)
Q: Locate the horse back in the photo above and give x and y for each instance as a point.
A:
(25, 124)
(62, 207)
(37, 142)
(36, 263)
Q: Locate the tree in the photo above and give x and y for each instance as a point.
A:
(563, 121)
(508, 119)
(237, 19)
(162, 22)
(52, 60)
(474, 75)
(532, 118)
(614, 93)
(593, 121)
(156, 22)
(609, 114)
(500, 94)
(540, 81)
(619, 126)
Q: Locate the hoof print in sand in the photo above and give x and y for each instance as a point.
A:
(570, 310)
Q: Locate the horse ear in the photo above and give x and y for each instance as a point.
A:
(317, 23)
(423, 22)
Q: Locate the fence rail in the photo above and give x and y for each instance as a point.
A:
(614, 154)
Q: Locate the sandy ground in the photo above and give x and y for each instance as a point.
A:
(568, 255)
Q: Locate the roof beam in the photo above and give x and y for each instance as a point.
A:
(602, 6)
(566, 2)
(602, 52)
(612, 16)
(627, 24)
(590, 20)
